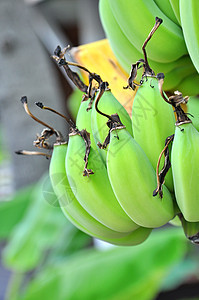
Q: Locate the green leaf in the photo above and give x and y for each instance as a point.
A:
(13, 210)
(118, 273)
(38, 231)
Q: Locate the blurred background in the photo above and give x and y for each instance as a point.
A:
(42, 254)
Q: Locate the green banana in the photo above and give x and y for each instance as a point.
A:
(153, 121)
(146, 11)
(189, 12)
(109, 105)
(166, 8)
(136, 237)
(177, 75)
(176, 9)
(133, 180)
(77, 214)
(193, 111)
(190, 85)
(83, 121)
(125, 52)
(185, 165)
(94, 192)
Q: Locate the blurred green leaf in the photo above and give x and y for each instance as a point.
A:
(115, 274)
(180, 272)
(13, 210)
(39, 230)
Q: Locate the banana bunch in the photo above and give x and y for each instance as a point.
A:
(109, 176)
(174, 49)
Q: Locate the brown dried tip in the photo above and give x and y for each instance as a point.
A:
(87, 172)
(57, 51)
(39, 104)
(158, 20)
(24, 100)
(19, 152)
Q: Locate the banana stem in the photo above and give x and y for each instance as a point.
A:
(25, 105)
(102, 89)
(69, 121)
(158, 22)
(26, 152)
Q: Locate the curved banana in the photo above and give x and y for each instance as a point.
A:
(109, 105)
(153, 121)
(177, 75)
(189, 12)
(69, 204)
(190, 85)
(136, 237)
(137, 17)
(193, 111)
(94, 192)
(185, 166)
(166, 7)
(125, 52)
(133, 180)
(83, 121)
(176, 9)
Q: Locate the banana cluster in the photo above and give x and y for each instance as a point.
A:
(107, 176)
(174, 49)
(110, 176)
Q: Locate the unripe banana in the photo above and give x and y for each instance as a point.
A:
(177, 75)
(126, 53)
(69, 204)
(153, 121)
(166, 8)
(77, 214)
(136, 237)
(94, 192)
(135, 25)
(176, 9)
(190, 85)
(109, 105)
(133, 180)
(189, 12)
(185, 166)
(83, 121)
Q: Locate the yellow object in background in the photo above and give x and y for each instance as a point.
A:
(99, 58)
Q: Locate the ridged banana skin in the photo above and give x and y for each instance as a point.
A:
(136, 19)
(185, 166)
(126, 53)
(153, 121)
(110, 105)
(69, 204)
(133, 180)
(94, 193)
(176, 9)
(166, 8)
(189, 12)
(193, 110)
